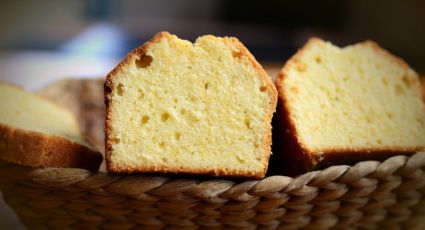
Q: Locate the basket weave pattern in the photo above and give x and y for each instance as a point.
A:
(368, 195)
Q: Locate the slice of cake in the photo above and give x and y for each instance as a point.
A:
(35, 132)
(343, 105)
(178, 107)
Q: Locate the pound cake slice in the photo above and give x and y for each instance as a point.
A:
(343, 105)
(35, 132)
(178, 107)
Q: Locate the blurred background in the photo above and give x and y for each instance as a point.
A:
(43, 41)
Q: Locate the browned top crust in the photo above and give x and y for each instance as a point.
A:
(141, 50)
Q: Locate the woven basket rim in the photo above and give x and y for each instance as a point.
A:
(339, 196)
(338, 173)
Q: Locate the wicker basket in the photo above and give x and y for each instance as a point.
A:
(371, 194)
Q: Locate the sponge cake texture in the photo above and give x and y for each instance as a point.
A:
(178, 107)
(342, 105)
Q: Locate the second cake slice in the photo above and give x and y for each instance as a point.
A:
(178, 107)
(344, 105)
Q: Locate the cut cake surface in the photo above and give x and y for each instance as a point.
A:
(178, 107)
(342, 105)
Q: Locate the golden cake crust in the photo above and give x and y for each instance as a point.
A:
(40, 150)
(109, 85)
(294, 157)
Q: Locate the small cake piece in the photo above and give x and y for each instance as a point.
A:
(35, 132)
(343, 105)
(178, 107)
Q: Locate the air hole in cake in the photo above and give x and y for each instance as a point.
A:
(141, 94)
(318, 59)
(178, 136)
(368, 119)
(182, 111)
(120, 89)
(407, 80)
(379, 141)
(165, 116)
(237, 54)
(390, 115)
(164, 159)
(248, 123)
(361, 72)
(144, 61)
(145, 119)
(176, 100)
(263, 88)
(115, 140)
(206, 86)
(294, 89)
(338, 90)
(161, 144)
(301, 66)
(384, 81)
(240, 160)
(421, 121)
(399, 89)
(193, 117)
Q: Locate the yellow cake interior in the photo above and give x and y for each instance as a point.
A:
(357, 97)
(198, 106)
